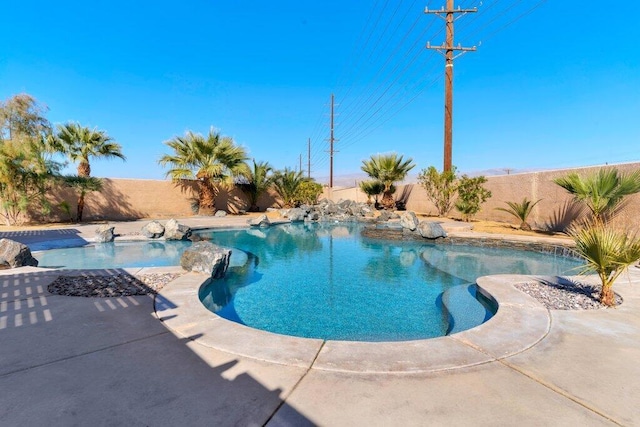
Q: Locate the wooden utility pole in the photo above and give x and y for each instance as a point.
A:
(447, 49)
(331, 150)
(309, 158)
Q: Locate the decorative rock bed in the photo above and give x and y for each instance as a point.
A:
(117, 285)
(565, 295)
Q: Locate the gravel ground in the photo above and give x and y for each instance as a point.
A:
(565, 296)
(117, 285)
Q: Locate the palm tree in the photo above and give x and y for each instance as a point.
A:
(372, 188)
(602, 192)
(286, 184)
(521, 211)
(387, 168)
(82, 185)
(256, 183)
(607, 253)
(80, 143)
(209, 160)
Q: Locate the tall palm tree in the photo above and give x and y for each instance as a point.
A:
(607, 253)
(286, 183)
(210, 160)
(387, 168)
(603, 191)
(256, 183)
(80, 144)
(82, 185)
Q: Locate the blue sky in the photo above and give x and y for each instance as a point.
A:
(558, 87)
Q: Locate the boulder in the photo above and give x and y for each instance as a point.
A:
(296, 215)
(409, 220)
(260, 221)
(15, 254)
(205, 257)
(220, 213)
(175, 231)
(104, 234)
(431, 230)
(153, 230)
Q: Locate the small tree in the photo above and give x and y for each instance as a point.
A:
(26, 170)
(441, 188)
(307, 193)
(471, 195)
(607, 253)
(520, 211)
(372, 188)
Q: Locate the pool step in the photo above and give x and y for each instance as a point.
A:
(465, 311)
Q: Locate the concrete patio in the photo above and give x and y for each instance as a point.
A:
(111, 361)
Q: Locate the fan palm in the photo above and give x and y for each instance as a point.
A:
(209, 160)
(82, 185)
(256, 183)
(372, 188)
(521, 211)
(607, 253)
(286, 183)
(387, 168)
(602, 192)
(80, 144)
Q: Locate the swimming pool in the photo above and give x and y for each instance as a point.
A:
(327, 281)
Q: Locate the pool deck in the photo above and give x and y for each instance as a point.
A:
(167, 361)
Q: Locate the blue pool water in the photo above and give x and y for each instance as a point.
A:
(328, 282)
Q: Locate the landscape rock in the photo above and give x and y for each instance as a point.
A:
(205, 257)
(431, 230)
(175, 231)
(153, 230)
(260, 221)
(296, 215)
(15, 254)
(220, 213)
(409, 220)
(104, 234)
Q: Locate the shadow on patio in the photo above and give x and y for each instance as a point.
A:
(67, 360)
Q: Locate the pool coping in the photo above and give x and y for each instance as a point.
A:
(519, 323)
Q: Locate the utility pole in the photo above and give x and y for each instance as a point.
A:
(447, 49)
(300, 162)
(331, 150)
(309, 158)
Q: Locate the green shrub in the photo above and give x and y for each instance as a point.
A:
(471, 195)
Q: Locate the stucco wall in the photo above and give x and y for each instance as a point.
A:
(124, 199)
(127, 199)
(555, 210)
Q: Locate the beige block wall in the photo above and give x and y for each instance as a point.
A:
(127, 199)
(555, 210)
